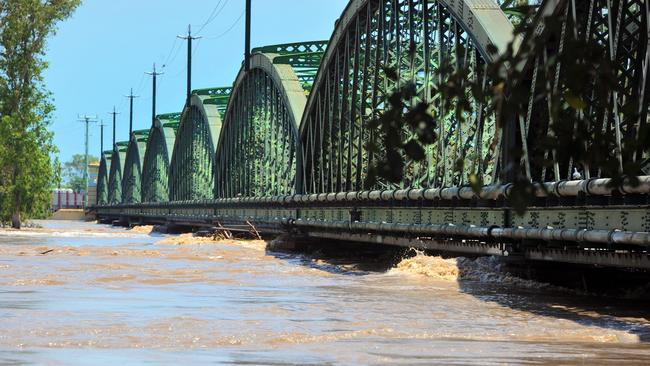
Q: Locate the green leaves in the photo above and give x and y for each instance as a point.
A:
(74, 169)
(25, 141)
(476, 183)
(575, 102)
(414, 150)
(402, 133)
(570, 124)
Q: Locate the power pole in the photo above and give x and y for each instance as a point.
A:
(101, 139)
(87, 120)
(189, 39)
(114, 113)
(131, 97)
(247, 58)
(154, 73)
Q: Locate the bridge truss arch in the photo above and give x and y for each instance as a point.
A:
(191, 173)
(134, 161)
(157, 158)
(351, 89)
(116, 172)
(103, 177)
(621, 28)
(258, 148)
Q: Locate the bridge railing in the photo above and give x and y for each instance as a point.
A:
(585, 211)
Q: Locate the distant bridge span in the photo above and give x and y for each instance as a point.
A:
(286, 147)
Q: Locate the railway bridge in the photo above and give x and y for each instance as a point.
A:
(287, 149)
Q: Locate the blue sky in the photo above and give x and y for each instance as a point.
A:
(105, 48)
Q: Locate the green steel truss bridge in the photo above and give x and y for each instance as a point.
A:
(285, 147)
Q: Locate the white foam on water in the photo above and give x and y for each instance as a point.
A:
(483, 269)
(68, 234)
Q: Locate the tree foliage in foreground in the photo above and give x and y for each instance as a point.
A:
(588, 81)
(25, 106)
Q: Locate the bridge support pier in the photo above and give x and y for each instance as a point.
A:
(120, 222)
(289, 243)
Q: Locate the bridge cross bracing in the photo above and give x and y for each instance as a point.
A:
(286, 146)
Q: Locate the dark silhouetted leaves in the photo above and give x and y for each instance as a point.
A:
(414, 150)
(573, 87)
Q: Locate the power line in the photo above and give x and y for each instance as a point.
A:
(213, 15)
(171, 51)
(140, 84)
(227, 30)
(178, 50)
(198, 44)
(175, 51)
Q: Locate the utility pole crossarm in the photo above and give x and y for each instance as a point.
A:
(87, 120)
(114, 113)
(189, 38)
(155, 74)
(131, 97)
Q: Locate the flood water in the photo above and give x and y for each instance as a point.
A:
(85, 294)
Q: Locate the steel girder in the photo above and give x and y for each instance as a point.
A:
(215, 96)
(157, 158)
(256, 155)
(115, 177)
(102, 177)
(132, 178)
(621, 27)
(351, 89)
(191, 174)
(304, 58)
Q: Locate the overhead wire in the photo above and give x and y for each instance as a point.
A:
(138, 89)
(171, 51)
(178, 50)
(177, 47)
(232, 26)
(213, 15)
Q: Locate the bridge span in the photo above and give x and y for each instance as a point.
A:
(288, 147)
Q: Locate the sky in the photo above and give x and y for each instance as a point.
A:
(106, 47)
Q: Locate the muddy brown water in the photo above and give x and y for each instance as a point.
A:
(85, 294)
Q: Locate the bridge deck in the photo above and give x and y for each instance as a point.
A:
(606, 230)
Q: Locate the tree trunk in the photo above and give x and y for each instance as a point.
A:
(15, 216)
(15, 220)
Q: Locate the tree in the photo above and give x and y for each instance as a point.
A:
(25, 107)
(74, 170)
(56, 169)
(579, 102)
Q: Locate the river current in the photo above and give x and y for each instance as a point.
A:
(85, 294)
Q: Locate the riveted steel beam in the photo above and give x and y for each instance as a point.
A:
(257, 149)
(191, 174)
(132, 169)
(351, 90)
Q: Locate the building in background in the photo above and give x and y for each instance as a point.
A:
(68, 199)
(93, 173)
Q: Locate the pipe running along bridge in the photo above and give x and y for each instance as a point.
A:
(286, 147)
